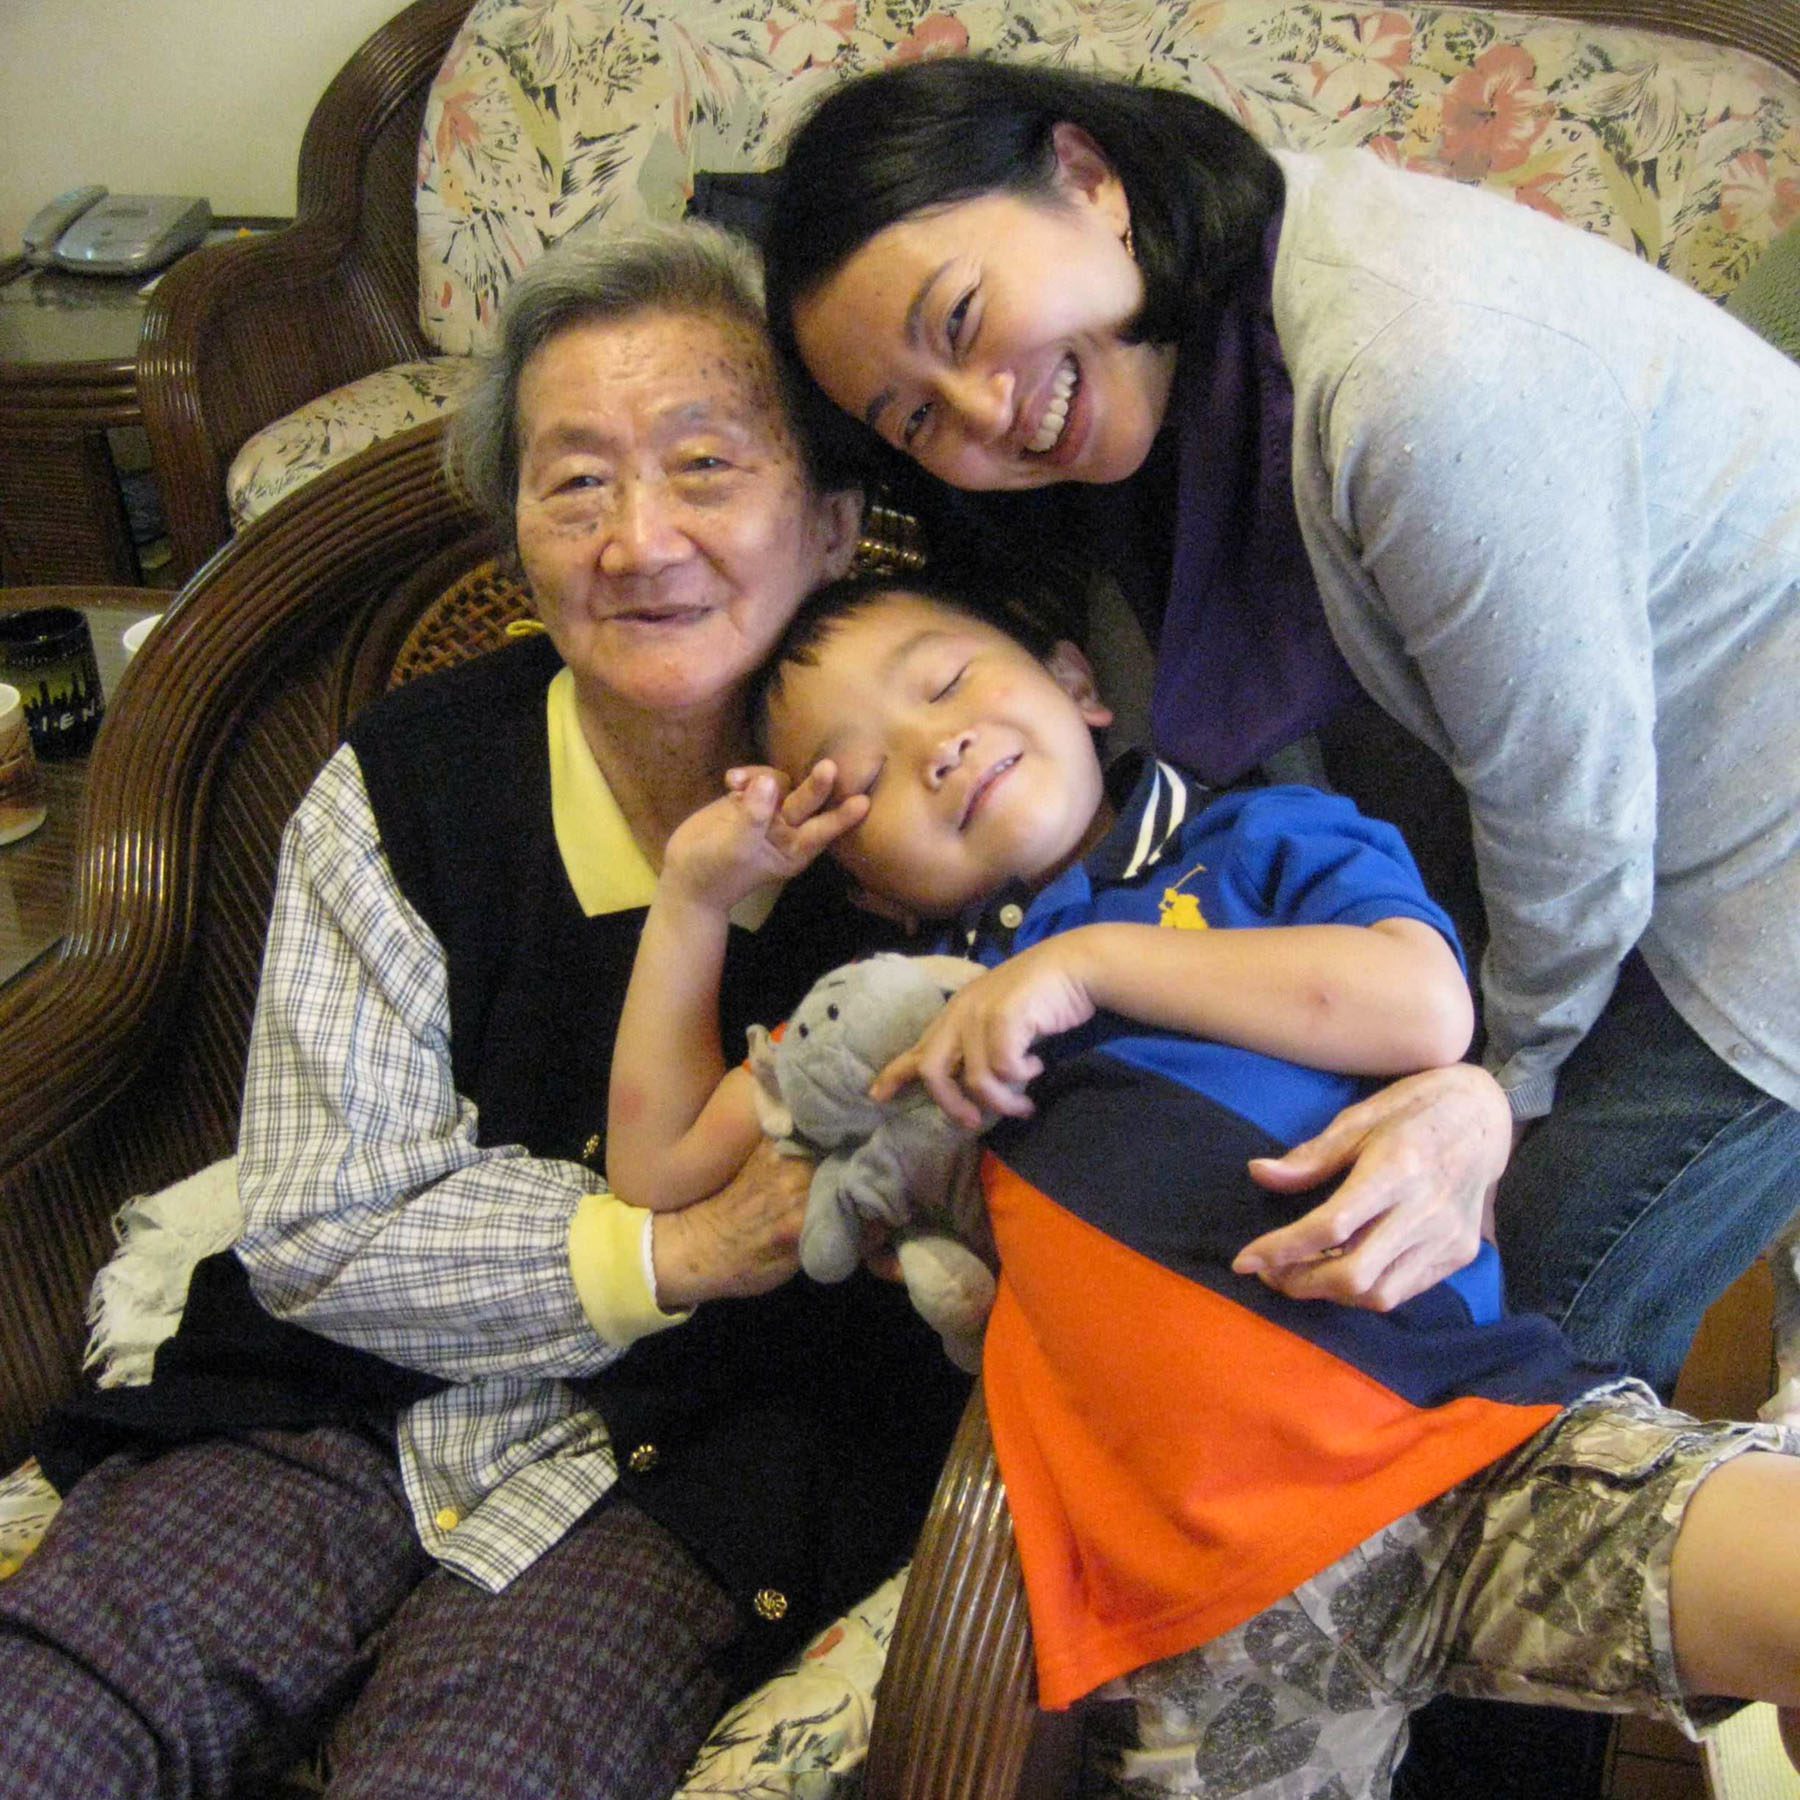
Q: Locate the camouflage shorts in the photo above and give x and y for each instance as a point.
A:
(1545, 1578)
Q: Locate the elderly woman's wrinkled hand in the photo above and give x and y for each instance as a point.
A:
(744, 1240)
(1419, 1160)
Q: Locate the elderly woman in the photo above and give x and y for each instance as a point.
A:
(583, 1472)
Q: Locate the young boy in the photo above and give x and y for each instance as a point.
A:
(1275, 1526)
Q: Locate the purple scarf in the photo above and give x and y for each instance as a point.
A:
(1245, 662)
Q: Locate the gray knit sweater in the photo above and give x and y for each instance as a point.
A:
(1552, 499)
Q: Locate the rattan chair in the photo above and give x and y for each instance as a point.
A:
(241, 333)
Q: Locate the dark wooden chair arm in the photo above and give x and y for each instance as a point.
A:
(121, 1059)
(243, 332)
(954, 1715)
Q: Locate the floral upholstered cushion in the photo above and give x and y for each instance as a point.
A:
(803, 1734)
(549, 114)
(27, 1505)
(1768, 298)
(289, 453)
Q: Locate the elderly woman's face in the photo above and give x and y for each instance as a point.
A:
(665, 519)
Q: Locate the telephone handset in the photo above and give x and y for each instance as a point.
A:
(49, 222)
(93, 232)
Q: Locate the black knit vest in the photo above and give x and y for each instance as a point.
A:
(793, 1440)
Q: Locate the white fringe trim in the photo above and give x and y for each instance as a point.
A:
(137, 1298)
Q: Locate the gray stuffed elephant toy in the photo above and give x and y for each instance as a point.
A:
(905, 1166)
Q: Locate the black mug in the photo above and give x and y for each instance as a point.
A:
(47, 653)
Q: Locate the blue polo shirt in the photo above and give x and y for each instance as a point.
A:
(1183, 1446)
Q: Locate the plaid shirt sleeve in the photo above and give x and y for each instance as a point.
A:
(372, 1214)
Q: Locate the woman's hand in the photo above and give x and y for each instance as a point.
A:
(760, 831)
(1422, 1157)
(977, 1052)
(742, 1241)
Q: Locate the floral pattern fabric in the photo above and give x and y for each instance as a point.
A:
(549, 114)
(306, 442)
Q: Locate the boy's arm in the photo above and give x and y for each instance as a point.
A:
(678, 1126)
(1381, 999)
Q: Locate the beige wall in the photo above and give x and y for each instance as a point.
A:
(165, 96)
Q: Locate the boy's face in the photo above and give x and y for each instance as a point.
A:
(978, 759)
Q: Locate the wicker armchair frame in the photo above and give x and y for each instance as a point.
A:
(121, 1058)
(242, 333)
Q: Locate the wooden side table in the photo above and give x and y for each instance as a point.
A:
(68, 374)
(37, 873)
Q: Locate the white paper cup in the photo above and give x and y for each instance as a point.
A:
(21, 786)
(133, 639)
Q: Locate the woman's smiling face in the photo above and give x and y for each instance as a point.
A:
(985, 338)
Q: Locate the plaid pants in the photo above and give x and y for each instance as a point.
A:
(191, 1623)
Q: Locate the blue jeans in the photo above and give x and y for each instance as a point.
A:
(1653, 1184)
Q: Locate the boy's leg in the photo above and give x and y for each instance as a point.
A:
(599, 1670)
(1783, 1405)
(1277, 1709)
(189, 1622)
(1734, 1585)
(1544, 1579)
(1564, 1593)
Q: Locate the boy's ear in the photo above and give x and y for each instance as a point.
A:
(843, 515)
(1074, 674)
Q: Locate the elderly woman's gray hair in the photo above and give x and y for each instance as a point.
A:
(595, 275)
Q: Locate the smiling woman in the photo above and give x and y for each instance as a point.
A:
(665, 516)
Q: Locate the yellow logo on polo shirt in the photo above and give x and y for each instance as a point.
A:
(1179, 911)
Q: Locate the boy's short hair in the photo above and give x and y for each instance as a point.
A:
(822, 612)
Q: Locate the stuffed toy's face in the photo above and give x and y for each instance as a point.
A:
(851, 1025)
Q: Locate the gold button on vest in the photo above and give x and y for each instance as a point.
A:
(770, 1604)
(643, 1459)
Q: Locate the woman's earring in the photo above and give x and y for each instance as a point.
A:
(1130, 242)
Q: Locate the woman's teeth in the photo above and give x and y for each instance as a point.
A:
(1056, 414)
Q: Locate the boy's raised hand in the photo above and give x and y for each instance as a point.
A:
(977, 1053)
(759, 831)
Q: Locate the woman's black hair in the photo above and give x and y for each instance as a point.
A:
(901, 140)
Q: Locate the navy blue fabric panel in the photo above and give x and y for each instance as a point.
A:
(1161, 1168)
(1289, 1102)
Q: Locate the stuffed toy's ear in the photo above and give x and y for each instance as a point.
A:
(772, 1112)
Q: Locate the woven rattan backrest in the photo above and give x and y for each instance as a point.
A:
(469, 617)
